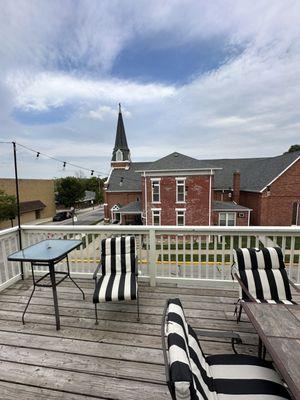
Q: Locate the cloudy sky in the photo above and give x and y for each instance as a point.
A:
(208, 79)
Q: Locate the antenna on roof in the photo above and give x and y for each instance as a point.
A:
(119, 107)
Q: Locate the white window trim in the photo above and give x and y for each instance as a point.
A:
(158, 210)
(226, 219)
(152, 192)
(183, 210)
(184, 186)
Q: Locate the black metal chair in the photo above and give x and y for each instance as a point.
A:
(262, 277)
(192, 375)
(119, 272)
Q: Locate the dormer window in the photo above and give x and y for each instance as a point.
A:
(119, 155)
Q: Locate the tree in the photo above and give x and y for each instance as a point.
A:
(95, 184)
(8, 207)
(70, 190)
(293, 148)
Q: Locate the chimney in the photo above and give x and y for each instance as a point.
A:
(236, 186)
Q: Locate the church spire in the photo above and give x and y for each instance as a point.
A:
(121, 151)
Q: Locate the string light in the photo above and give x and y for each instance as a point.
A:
(38, 154)
(64, 166)
(92, 172)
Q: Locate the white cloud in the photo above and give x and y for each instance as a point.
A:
(44, 90)
(102, 111)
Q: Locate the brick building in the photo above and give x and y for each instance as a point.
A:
(181, 190)
(36, 198)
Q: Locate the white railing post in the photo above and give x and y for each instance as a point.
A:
(152, 256)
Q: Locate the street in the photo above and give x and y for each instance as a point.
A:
(89, 217)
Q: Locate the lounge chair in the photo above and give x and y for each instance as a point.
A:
(119, 272)
(262, 277)
(192, 375)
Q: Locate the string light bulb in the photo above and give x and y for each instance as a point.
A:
(38, 154)
(64, 166)
(92, 172)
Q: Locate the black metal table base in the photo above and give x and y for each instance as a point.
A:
(52, 273)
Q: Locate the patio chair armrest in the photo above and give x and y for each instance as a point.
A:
(294, 286)
(96, 271)
(233, 336)
(241, 283)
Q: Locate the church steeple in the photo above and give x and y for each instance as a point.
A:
(121, 153)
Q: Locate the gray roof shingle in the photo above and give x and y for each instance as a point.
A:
(131, 208)
(228, 206)
(256, 173)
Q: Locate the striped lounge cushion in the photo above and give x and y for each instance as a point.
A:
(245, 377)
(196, 377)
(189, 371)
(264, 275)
(118, 280)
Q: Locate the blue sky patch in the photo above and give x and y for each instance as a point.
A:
(50, 116)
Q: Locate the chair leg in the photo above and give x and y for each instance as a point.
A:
(96, 314)
(138, 306)
(240, 314)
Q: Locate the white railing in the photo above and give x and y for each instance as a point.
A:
(168, 253)
(9, 271)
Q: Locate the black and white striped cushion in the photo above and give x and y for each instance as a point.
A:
(196, 377)
(189, 371)
(118, 255)
(245, 377)
(264, 275)
(118, 280)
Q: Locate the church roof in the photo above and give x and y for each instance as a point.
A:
(121, 140)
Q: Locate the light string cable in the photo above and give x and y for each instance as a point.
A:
(64, 163)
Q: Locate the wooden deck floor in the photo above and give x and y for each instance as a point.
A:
(118, 359)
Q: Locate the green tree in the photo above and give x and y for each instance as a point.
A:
(294, 147)
(70, 190)
(8, 207)
(95, 184)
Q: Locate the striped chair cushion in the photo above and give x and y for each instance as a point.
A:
(118, 280)
(116, 287)
(264, 275)
(245, 377)
(252, 258)
(118, 255)
(189, 372)
(266, 285)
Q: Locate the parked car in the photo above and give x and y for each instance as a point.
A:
(61, 216)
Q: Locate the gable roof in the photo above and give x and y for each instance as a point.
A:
(256, 173)
(130, 179)
(176, 161)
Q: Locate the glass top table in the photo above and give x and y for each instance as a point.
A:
(48, 253)
(49, 250)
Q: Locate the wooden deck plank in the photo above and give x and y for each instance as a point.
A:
(118, 359)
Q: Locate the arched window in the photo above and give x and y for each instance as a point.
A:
(119, 155)
(115, 215)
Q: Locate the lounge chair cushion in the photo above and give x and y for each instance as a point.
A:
(196, 377)
(245, 377)
(118, 255)
(253, 258)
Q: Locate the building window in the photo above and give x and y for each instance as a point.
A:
(180, 190)
(180, 217)
(155, 191)
(155, 217)
(119, 155)
(115, 215)
(226, 219)
(295, 213)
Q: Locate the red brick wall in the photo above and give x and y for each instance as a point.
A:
(122, 198)
(220, 195)
(275, 208)
(197, 200)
